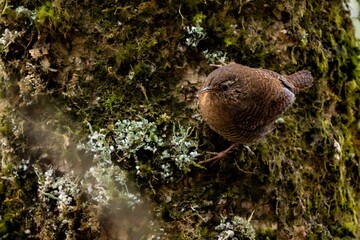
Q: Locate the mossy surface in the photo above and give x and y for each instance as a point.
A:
(100, 131)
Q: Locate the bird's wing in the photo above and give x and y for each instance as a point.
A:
(285, 82)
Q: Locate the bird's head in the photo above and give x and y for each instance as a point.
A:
(223, 88)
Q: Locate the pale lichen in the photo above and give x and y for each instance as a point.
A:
(196, 34)
(105, 181)
(234, 229)
(174, 151)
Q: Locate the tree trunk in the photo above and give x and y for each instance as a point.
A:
(101, 135)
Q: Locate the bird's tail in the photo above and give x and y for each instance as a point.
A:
(301, 80)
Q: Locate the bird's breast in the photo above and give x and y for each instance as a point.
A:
(218, 114)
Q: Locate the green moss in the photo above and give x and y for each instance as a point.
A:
(17, 195)
(125, 60)
(52, 16)
(266, 234)
(5, 126)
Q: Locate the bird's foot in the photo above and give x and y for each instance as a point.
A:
(218, 155)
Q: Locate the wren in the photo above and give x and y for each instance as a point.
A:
(242, 103)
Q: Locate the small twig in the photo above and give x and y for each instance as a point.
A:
(251, 215)
(216, 65)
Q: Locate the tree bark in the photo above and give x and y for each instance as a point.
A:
(101, 134)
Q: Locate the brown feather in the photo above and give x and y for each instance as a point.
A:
(242, 103)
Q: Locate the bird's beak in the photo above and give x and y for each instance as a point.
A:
(204, 89)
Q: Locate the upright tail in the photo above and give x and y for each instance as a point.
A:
(301, 80)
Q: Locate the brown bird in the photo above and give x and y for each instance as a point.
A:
(242, 103)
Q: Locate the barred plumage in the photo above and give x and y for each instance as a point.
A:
(242, 103)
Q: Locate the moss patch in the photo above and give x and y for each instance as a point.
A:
(68, 65)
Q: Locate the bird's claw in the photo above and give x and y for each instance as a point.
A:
(218, 155)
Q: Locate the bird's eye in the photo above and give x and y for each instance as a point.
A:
(224, 87)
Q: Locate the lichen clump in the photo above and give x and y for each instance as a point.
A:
(132, 139)
(237, 228)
